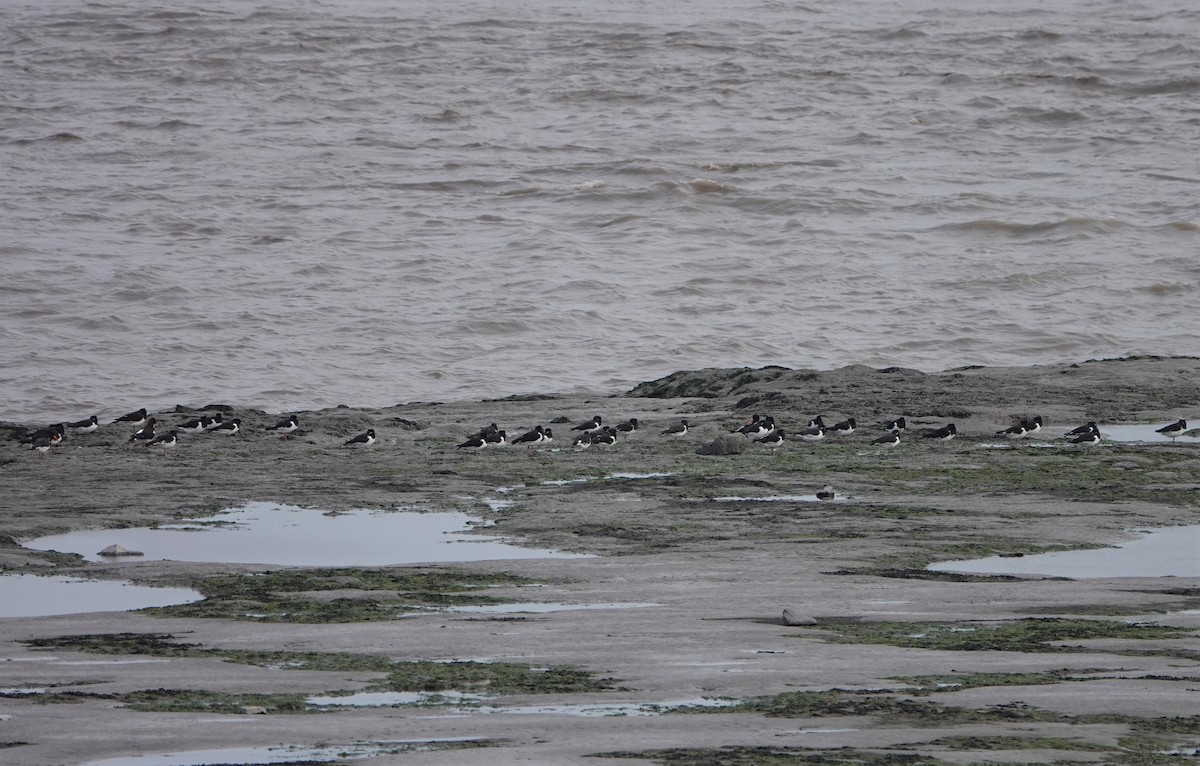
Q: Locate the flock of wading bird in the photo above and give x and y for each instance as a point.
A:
(761, 429)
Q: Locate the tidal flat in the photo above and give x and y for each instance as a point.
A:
(878, 660)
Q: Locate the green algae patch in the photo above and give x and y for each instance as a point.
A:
(1018, 743)
(1029, 635)
(337, 595)
(774, 756)
(153, 644)
(492, 678)
(201, 701)
(952, 682)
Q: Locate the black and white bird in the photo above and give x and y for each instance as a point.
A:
(487, 430)
(365, 439)
(473, 444)
(758, 427)
(813, 433)
(629, 426)
(498, 438)
(890, 439)
(146, 432)
(1032, 426)
(195, 425)
(85, 426)
(589, 426)
(896, 425)
(679, 429)
(1088, 437)
(136, 419)
(57, 430)
(845, 428)
(826, 492)
(227, 428)
(285, 427)
(817, 421)
(945, 433)
(1173, 430)
(1086, 428)
(606, 437)
(165, 441)
(1017, 431)
(547, 436)
(774, 439)
(582, 441)
(43, 443)
(214, 422)
(531, 437)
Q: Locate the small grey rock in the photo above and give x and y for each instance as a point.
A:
(791, 618)
(725, 444)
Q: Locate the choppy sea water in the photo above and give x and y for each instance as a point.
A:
(293, 205)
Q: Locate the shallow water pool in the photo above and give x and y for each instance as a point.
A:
(270, 533)
(1166, 552)
(34, 596)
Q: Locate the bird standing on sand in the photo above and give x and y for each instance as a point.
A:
(758, 427)
(285, 427)
(165, 441)
(228, 428)
(365, 439)
(774, 439)
(44, 442)
(1089, 437)
(945, 433)
(890, 439)
(1172, 430)
(629, 426)
(1013, 432)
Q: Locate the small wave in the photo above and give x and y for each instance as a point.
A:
(1179, 85)
(628, 217)
(708, 186)
(54, 137)
(903, 33)
(1165, 289)
(993, 226)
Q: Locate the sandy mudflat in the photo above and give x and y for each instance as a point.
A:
(716, 573)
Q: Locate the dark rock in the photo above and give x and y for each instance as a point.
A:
(725, 444)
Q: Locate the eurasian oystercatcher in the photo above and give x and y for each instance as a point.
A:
(146, 432)
(137, 419)
(285, 427)
(1172, 430)
(679, 429)
(945, 433)
(85, 426)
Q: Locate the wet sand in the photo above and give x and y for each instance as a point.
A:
(719, 573)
